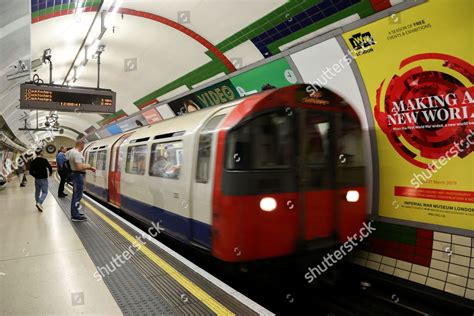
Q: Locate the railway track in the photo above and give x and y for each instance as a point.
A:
(347, 289)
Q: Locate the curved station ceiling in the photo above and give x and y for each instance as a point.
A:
(151, 50)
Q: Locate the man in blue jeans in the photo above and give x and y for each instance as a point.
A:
(60, 160)
(39, 168)
(78, 168)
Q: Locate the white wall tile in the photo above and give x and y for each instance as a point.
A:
(469, 294)
(461, 240)
(461, 260)
(401, 273)
(470, 283)
(442, 246)
(375, 257)
(419, 269)
(386, 269)
(462, 250)
(440, 255)
(456, 279)
(417, 278)
(404, 265)
(440, 265)
(442, 237)
(373, 265)
(437, 284)
(437, 274)
(459, 270)
(389, 261)
(454, 289)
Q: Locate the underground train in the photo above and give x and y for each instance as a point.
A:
(274, 174)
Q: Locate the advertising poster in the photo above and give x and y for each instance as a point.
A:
(152, 116)
(277, 73)
(417, 67)
(114, 129)
(219, 93)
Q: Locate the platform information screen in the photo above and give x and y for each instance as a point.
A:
(66, 99)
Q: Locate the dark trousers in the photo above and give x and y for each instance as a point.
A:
(78, 188)
(63, 176)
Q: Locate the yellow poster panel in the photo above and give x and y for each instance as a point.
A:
(418, 70)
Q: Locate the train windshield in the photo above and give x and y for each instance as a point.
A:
(265, 142)
(272, 140)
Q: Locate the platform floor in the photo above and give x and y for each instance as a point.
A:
(49, 265)
(44, 267)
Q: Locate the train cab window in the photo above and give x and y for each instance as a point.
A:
(166, 160)
(136, 156)
(317, 130)
(265, 142)
(92, 156)
(350, 150)
(319, 153)
(205, 149)
(350, 145)
(101, 159)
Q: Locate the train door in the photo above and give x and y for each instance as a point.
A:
(316, 173)
(202, 181)
(114, 171)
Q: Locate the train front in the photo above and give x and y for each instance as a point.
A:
(290, 175)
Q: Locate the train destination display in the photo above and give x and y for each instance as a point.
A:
(66, 99)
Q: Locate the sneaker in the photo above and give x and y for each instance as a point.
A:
(39, 207)
(62, 195)
(79, 219)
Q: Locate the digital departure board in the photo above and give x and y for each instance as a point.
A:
(66, 99)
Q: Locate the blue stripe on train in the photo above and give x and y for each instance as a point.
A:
(180, 227)
(96, 190)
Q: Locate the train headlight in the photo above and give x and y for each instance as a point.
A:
(352, 196)
(268, 204)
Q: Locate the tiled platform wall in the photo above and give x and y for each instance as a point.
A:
(439, 260)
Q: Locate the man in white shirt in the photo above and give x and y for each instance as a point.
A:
(78, 167)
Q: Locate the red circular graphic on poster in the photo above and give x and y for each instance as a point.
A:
(430, 109)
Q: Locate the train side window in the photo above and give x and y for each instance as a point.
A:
(91, 160)
(265, 142)
(101, 159)
(166, 160)
(205, 149)
(136, 156)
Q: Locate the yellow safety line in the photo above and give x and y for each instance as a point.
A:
(195, 290)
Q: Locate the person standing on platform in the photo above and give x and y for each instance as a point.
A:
(60, 160)
(39, 168)
(78, 172)
(21, 171)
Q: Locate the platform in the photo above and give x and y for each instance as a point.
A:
(44, 266)
(49, 265)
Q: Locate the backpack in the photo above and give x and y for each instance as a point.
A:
(67, 167)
